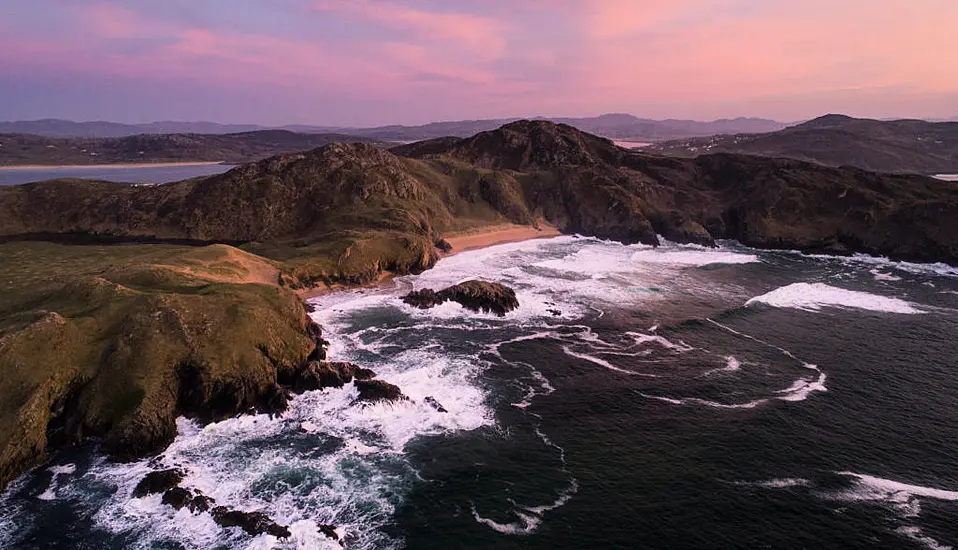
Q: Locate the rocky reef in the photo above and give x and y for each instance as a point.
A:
(473, 295)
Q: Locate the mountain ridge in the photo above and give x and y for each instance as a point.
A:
(617, 125)
(903, 145)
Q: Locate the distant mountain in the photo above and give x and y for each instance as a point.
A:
(615, 126)
(838, 140)
(20, 149)
(54, 127)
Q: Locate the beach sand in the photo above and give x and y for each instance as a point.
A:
(497, 234)
(126, 165)
(461, 242)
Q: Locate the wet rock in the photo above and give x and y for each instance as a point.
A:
(678, 229)
(274, 400)
(177, 497)
(431, 401)
(330, 532)
(443, 245)
(473, 295)
(317, 375)
(377, 390)
(423, 299)
(158, 482)
(201, 503)
(253, 523)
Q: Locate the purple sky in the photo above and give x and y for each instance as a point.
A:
(371, 62)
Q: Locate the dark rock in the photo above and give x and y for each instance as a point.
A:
(274, 400)
(473, 295)
(377, 390)
(423, 299)
(253, 523)
(554, 312)
(317, 375)
(443, 245)
(201, 503)
(319, 352)
(330, 532)
(158, 482)
(677, 228)
(431, 401)
(177, 497)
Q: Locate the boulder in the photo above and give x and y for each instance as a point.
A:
(473, 295)
(253, 523)
(377, 390)
(158, 482)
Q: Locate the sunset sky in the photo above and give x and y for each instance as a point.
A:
(371, 62)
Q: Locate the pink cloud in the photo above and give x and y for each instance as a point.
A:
(483, 35)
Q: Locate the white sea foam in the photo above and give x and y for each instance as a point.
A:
(685, 257)
(51, 492)
(879, 276)
(815, 296)
(731, 365)
(903, 497)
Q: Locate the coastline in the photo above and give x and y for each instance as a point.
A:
(100, 166)
(484, 237)
(461, 241)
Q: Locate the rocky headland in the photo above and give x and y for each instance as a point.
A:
(197, 314)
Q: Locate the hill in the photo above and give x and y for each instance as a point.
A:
(21, 149)
(617, 126)
(115, 342)
(914, 146)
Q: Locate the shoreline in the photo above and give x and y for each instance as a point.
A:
(100, 166)
(461, 241)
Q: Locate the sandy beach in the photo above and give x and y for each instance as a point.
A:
(461, 242)
(498, 234)
(100, 166)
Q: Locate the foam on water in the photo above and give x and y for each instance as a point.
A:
(57, 471)
(815, 296)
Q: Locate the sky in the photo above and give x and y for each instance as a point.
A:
(374, 62)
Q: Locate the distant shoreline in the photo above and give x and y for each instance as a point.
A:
(118, 165)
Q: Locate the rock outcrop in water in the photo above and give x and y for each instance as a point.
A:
(378, 390)
(473, 295)
(252, 523)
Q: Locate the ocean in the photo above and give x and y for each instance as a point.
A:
(677, 397)
(122, 174)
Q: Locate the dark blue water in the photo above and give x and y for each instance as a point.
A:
(657, 410)
(142, 174)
